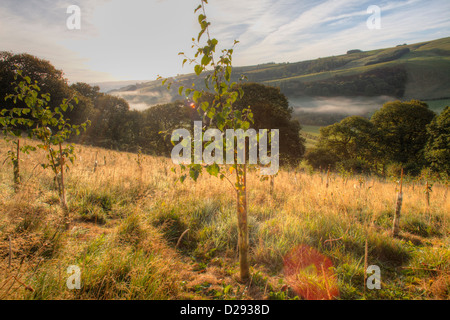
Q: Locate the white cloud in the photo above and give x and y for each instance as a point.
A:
(139, 39)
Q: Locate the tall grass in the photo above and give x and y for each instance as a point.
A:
(129, 235)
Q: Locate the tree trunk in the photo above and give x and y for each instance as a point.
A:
(16, 167)
(63, 190)
(242, 224)
(271, 184)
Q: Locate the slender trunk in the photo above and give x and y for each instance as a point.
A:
(16, 167)
(272, 178)
(62, 189)
(242, 224)
(328, 177)
(398, 209)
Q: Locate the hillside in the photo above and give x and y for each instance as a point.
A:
(415, 71)
(136, 233)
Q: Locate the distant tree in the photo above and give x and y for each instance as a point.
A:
(343, 143)
(87, 97)
(88, 91)
(272, 111)
(437, 150)
(49, 79)
(108, 123)
(354, 51)
(161, 120)
(402, 132)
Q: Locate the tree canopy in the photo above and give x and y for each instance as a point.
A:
(399, 133)
(437, 150)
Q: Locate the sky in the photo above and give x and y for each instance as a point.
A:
(122, 40)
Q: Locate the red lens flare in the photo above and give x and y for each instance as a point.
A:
(309, 274)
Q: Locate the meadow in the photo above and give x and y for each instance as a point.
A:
(311, 135)
(136, 232)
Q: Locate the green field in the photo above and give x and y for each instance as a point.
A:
(438, 105)
(313, 130)
(311, 134)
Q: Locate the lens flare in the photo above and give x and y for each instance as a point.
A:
(309, 274)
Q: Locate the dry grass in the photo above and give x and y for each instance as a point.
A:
(126, 221)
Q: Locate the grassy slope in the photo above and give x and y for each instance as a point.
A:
(126, 222)
(428, 70)
(427, 65)
(311, 134)
(438, 105)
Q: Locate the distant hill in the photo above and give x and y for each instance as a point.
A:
(107, 86)
(419, 71)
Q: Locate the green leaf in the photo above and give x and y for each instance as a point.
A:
(228, 73)
(245, 125)
(206, 60)
(194, 173)
(201, 17)
(196, 96)
(226, 289)
(198, 69)
(211, 113)
(213, 169)
(204, 105)
(180, 90)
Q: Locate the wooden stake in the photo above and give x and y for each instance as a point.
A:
(95, 163)
(328, 177)
(398, 209)
(10, 252)
(365, 265)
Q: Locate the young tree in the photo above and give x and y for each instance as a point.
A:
(221, 114)
(16, 121)
(45, 123)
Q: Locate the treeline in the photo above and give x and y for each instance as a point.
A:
(404, 135)
(390, 56)
(296, 69)
(390, 81)
(115, 126)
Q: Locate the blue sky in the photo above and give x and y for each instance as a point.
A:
(140, 39)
